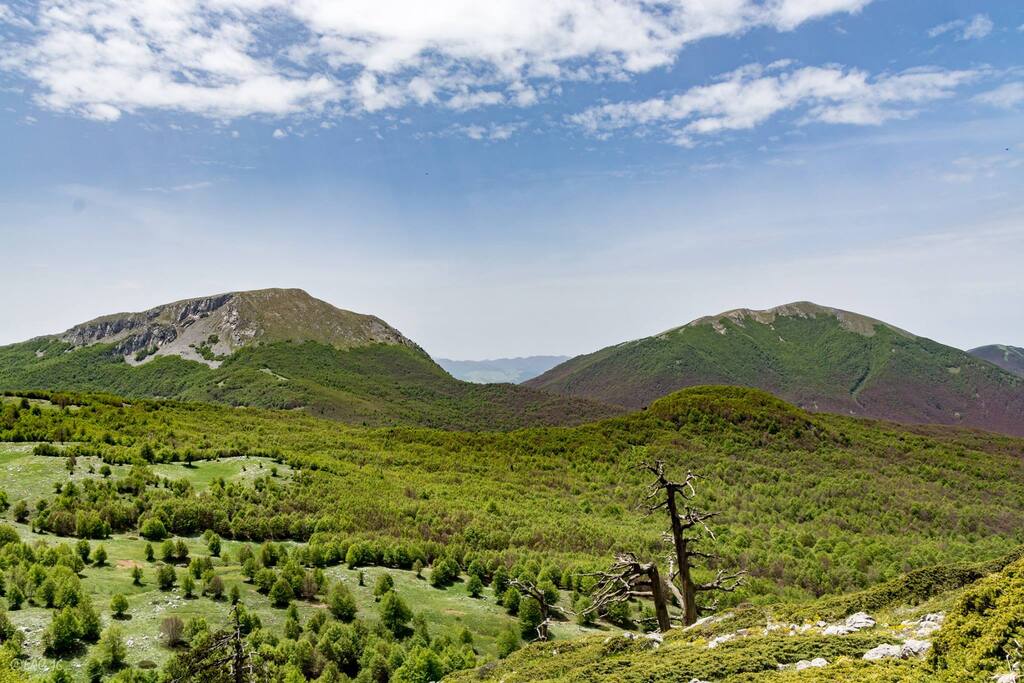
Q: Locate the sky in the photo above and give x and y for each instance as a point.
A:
(517, 177)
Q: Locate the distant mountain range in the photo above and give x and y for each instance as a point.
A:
(820, 358)
(277, 348)
(1009, 358)
(512, 370)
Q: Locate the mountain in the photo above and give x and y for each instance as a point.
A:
(277, 348)
(820, 358)
(514, 370)
(1009, 358)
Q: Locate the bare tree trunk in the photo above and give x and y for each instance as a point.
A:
(660, 602)
(686, 584)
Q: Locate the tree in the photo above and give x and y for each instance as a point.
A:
(630, 578)
(137, 575)
(281, 593)
(105, 470)
(383, 585)
(119, 605)
(20, 512)
(395, 615)
(153, 529)
(536, 601)
(165, 577)
(507, 642)
(213, 544)
(531, 619)
(215, 587)
(474, 586)
(100, 556)
(188, 585)
(113, 651)
(171, 630)
(62, 635)
(149, 552)
(688, 527)
(341, 603)
(15, 597)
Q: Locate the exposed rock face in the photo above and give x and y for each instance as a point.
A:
(209, 328)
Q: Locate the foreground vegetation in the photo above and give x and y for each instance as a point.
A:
(811, 505)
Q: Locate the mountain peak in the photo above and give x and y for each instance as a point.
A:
(853, 322)
(209, 328)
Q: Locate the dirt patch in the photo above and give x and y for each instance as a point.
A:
(128, 564)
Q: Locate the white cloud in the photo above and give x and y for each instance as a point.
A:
(975, 28)
(184, 187)
(231, 58)
(966, 169)
(279, 134)
(1005, 96)
(751, 95)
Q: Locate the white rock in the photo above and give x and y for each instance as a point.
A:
(815, 663)
(852, 623)
(1006, 678)
(883, 652)
(914, 648)
(718, 640)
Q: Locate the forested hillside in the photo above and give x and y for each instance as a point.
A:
(808, 505)
(278, 349)
(820, 358)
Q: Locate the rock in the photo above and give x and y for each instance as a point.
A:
(718, 640)
(915, 648)
(883, 652)
(1006, 678)
(852, 623)
(815, 663)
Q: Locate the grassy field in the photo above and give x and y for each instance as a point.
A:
(31, 477)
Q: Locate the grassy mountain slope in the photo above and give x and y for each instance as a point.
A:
(820, 358)
(277, 349)
(1009, 358)
(811, 505)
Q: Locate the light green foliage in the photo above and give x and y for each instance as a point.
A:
(395, 615)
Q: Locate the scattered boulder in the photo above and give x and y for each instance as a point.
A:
(1010, 677)
(915, 648)
(815, 663)
(852, 624)
(718, 640)
(883, 652)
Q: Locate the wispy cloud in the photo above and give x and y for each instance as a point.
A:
(975, 28)
(1006, 96)
(749, 96)
(967, 169)
(233, 58)
(184, 187)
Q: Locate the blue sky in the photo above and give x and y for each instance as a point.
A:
(519, 176)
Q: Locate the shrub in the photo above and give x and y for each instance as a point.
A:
(383, 585)
(166, 577)
(395, 615)
(475, 586)
(153, 529)
(171, 631)
(281, 593)
(341, 603)
(529, 617)
(119, 605)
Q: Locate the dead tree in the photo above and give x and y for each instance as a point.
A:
(630, 578)
(529, 589)
(223, 658)
(688, 528)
